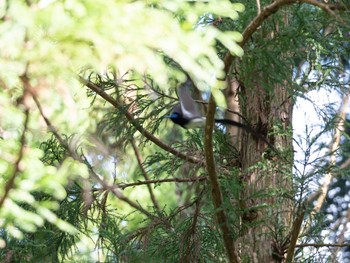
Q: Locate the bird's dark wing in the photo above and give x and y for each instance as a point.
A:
(187, 104)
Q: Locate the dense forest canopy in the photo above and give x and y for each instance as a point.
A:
(92, 168)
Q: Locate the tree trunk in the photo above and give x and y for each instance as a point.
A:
(267, 200)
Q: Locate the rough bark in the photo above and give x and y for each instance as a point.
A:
(231, 114)
(267, 197)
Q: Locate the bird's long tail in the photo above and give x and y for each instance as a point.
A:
(247, 128)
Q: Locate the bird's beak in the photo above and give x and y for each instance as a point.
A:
(170, 116)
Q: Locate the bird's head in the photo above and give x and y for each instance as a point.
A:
(177, 118)
(174, 115)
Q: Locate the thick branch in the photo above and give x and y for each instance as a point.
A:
(215, 187)
(254, 25)
(294, 235)
(268, 11)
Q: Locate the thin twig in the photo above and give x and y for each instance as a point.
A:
(166, 180)
(145, 175)
(190, 235)
(322, 245)
(334, 146)
(341, 236)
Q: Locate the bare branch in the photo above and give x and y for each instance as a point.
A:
(190, 235)
(145, 175)
(345, 164)
(294, 235)
(258, 5)
(166, 180)
(322, 245)
(215, 187)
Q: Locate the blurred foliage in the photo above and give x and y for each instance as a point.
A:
(64, 32)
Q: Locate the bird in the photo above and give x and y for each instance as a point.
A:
(185, 112)
(187, 116)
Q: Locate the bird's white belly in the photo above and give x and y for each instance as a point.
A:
(196, 123)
